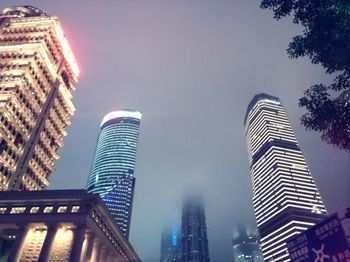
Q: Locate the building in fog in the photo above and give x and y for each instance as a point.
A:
(112, 170)
(245, 243)
(285, 198)
(59, 225)
(194, 240)
(38, 74)
(170, 245)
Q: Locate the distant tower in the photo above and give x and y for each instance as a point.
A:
(112, 171)
(285, 198)
(38, 74)
(170, 245)
(246, 246)
(194, 238)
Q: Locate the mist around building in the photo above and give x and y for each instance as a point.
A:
(38, 77)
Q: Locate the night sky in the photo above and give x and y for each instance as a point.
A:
(191, 67)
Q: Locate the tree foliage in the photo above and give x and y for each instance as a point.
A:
(326, 40)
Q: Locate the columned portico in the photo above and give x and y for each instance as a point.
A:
(60, 225)
(18, 244)
(79, 235)
(88, 247)
(96, 251)
(46, 248)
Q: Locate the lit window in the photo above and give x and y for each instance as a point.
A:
(34, 210)
(3, 210)
(18, 210)
(75, 209)
(62, 209)
(48, 209)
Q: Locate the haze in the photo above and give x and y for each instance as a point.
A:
(191, 67)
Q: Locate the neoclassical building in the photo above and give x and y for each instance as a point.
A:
(60, 225)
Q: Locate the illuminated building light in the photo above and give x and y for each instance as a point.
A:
(75, 209)
(48, 209)
(34, 210)
(67, 52)
(121, 113)
(174, 236)
(62, 209)
(17, 210)
(282, 183)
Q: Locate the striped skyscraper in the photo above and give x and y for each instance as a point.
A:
(112, 171)
(285, 198)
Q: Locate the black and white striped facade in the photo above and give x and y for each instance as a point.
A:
(285, 198)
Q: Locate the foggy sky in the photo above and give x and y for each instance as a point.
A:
(191, 67)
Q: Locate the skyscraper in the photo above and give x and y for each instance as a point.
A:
(194, 240)
(285, 198)
(246, 246)
(112, 170)
(170, 245)
(37, 77)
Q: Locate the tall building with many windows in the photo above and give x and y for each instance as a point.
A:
(170, 245)
(194, 239)
(112, 171)
(245, 244)
(285, 198)
(38, 74)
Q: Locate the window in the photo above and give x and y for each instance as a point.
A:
(75, 209)
(3, 210)
(34, 210)
(17, 210)
(62, 209)
(48, 209)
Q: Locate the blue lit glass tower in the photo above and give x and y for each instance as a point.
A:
(170, 245)
(112, 170)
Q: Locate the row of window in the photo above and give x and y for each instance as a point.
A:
(36, 209)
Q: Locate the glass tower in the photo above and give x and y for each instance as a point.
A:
(285, 198)
(245, 243)
(194, 240)
(170, 248)
(38, 74)
(112, 171)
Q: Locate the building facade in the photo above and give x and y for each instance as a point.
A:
(245, 245)
(112, 172)
(285, 198)
(170, 245)
(59, 225)
(38, 74)
(194, 239)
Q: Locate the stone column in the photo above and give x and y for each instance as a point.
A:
(18, 244)
(96, 251)
(79, 235)
(89, 246)
(47, 245)
(103, 255)
(110, 257)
